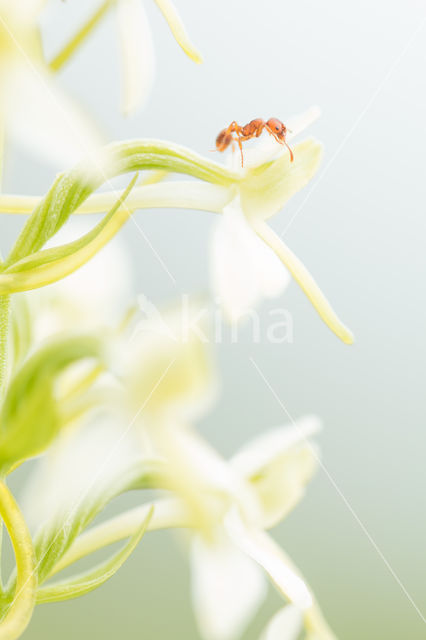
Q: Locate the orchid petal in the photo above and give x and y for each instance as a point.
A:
(263, 550)
(305, 281)
(137, 54)
(260, 452)
(227, 588)
(268, 185)
(178, 30)
(243, 268)
(167, 362)
(278, 465)
(41, 117)
(285, 625)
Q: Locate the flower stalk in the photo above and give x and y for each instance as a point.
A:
(19, 611)
(4, 339)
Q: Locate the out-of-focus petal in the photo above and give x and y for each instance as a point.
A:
(243, 268)
(297, 124)
(263, 550)
(257, 454)
(80, 464)
(285, 625)
(167, 364)
(137, 54)
(42, 118)
(30, 9)
(175, 23)
(305, 281)
(227, 588)
(278, 465)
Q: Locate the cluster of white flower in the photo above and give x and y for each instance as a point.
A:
(110, 398)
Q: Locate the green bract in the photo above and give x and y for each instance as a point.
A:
(27, 267)
(29, 418)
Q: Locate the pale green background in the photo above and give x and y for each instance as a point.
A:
(361, 233)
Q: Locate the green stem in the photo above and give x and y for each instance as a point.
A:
(4, 335)
(176, 195)
(78, 38)
(21, 608)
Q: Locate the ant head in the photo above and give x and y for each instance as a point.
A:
(276, 127)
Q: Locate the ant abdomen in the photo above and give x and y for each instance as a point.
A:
(223, 140)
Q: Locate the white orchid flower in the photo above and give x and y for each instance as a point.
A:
(33, 110)
(228, 585)
(249, 260)
(230, 503)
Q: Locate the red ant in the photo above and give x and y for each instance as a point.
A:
(252, 130)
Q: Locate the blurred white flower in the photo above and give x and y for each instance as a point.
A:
(33, 110)
(227, 587)
(167, 374)
(166, 364)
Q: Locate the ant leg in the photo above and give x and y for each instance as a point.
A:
(234, 127)
(241, 150)
(291, 152)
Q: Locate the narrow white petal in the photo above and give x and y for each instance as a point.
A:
(177, 28)
(137, 51)
(272, 444)
(227, 588)
(243, 268)
(285, 625)
(305, 281)
(278, 465)
(42, 118)
(263, 550)
(297, 124)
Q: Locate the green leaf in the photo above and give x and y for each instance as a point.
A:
(88, 581)
(57, 535)
(21, 328)
(50, 265)
(29, 418)
(72, 188)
